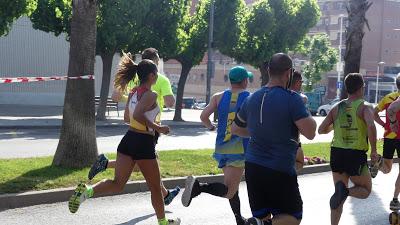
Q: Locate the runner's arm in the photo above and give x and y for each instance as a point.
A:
(166, 92)
(307, 127)
(327, 125)
(368, 115)
(299, 159)
(239, 127)
(169, 101)
(126, 112)
(392, 111)
(378, 118)
(207, 111)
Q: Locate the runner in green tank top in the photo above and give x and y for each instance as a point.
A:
(352, 121)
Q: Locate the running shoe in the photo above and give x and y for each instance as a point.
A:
(254, 221)
(175, 221)
(192, 189)
(240, 220)
(99, 166)
(374, 168)
(79, 196)
(171, 195)
(340, 195)
(395, 204)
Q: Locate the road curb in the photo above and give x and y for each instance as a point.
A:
(11, 201)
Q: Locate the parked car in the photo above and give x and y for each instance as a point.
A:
(188, 102)
(323, 110)
(200, 105)
(314, 101)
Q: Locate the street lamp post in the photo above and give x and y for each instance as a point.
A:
(340, 66)
(210, 63)
(377, 81)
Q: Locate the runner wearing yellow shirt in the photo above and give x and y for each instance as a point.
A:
(391, 141)
(165, 97)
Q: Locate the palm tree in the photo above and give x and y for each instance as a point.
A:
(77, 145)
(356, 10)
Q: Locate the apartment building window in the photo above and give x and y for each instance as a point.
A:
(389, 21)
(387, 36)
(333, 35)
(326, 21)
(339, 5)
(325, 6)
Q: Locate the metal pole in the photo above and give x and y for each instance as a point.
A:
(377, 84)
(340, 57)
(210, 52)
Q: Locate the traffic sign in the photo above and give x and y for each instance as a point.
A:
(339, 85)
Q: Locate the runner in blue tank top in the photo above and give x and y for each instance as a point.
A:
(229, 148)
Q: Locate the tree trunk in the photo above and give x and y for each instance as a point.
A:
(354, 35)
(181, 88)
(77, 145)
(264, 74)
(105, 85)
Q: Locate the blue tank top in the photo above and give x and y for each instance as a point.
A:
(227, 143)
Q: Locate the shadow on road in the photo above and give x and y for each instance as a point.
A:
(139, 219)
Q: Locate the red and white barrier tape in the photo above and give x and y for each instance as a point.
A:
(36, 79)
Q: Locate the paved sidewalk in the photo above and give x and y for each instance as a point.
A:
(27, 116)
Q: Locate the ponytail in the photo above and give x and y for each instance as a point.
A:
(126, 72)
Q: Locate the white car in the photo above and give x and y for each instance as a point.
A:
(323, 110)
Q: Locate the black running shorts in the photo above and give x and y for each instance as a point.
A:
(137, 145)
(389, 146)
(272, 192)
(349, 161)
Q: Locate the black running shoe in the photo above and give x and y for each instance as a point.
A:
(192, 189)
(240, 220)
(171, 195)
(254, 221)
(99, 166)
(395, 204)
(340, 195)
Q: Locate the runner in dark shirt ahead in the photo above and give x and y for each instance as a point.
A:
(273, 117)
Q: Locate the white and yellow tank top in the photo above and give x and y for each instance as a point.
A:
(152, 115)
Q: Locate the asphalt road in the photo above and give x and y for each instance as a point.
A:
(316, 190)
(19, 143)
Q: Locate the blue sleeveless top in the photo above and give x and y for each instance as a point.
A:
(227, 143)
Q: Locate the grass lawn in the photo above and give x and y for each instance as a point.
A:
(18, 175)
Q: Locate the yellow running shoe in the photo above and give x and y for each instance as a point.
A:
(80, 195)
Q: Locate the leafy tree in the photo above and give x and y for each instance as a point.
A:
(77, 145)
(10, 10)
(273, 26)
(356, 10)
(124, 24)
(321, 56)
(193, 37)
(118, 22)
